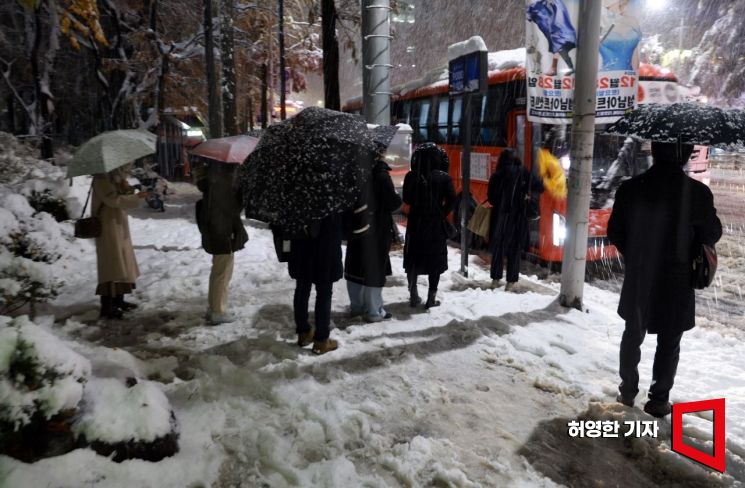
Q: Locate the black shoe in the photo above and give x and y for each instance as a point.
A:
(431, 301)
(387, 316)
(629, 402)
(109, 310)
(657, 408)
(124, 306)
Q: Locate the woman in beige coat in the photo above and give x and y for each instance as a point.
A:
(117, 265)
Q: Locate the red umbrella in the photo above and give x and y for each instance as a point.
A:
(233, 149)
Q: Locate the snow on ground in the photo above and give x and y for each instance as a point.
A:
(477, 392)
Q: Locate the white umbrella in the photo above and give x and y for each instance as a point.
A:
(110, 150)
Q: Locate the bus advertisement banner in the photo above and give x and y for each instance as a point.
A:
(551, 56)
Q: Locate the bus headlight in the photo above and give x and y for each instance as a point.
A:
(559, 229)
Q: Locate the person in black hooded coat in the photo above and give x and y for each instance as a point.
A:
(508, 188)
(367, 261)
(657, 219)
(430, 194)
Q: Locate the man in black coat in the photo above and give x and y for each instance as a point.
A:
(658, 218)
(315, 259)
(367, 261)
(218, 216)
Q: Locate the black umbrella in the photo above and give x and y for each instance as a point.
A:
(309, 167)
(688, 123)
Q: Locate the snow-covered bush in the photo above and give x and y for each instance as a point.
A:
(23, 281)
(40, 377)
(45, 201)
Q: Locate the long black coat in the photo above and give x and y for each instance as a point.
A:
(218, 213)
(367, 261)
(657, 217)
(507, 189)
(430, 197)
(318, 258)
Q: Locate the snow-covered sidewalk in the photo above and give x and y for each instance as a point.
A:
(477, 392)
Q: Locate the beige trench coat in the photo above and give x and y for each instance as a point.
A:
(116, 257)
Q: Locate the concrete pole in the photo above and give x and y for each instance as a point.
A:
(583, 140)
(376, 61)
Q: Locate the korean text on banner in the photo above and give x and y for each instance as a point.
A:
(552, 49)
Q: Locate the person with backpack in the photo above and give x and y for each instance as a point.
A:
(430, 195)
(510, 187)
(658, 219)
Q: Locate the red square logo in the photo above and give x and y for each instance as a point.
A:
(718, 460)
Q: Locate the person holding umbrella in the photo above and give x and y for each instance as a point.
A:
(430, 194)
(117, 264)
(107, 157)
(658, 218)
(315, 260)
(303, 175)
(219, 220)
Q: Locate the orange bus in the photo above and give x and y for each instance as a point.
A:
(499, 121)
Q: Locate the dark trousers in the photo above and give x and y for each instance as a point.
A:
(434, 282)
(513, 264)
(665, 362)
(322, 310)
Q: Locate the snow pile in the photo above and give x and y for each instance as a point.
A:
(472, 45)
(508, 59)
(39, 374)
(113, 413)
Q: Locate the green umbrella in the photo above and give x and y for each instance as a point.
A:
(110, 150)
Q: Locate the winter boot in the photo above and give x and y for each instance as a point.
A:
(305, 338)
(124, 306)
(657, 408)
(414, 299)
(322, 347)
(629, 402)
(108, 309)
(431, 302)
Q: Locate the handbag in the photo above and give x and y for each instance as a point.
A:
(704, 266)
(89, 227)
(480, 220)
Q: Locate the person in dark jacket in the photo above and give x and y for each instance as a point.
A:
(315, 259)
(367, 262)
(430, 194)
(657, 219)
(223, 233)
(508, 189)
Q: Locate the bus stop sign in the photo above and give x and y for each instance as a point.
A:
(468, 73)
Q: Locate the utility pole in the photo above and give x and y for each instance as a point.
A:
(574, 261)
(282, 73)
(376, 61)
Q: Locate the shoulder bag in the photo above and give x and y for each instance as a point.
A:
(89, 227)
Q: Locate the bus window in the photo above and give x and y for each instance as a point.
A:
(455, 113)
(477, 102)
(406, 112)
(419, 119)
(494, 118)
(441, 128)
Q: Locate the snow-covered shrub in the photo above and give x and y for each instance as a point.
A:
(40, 377)
(23, 281)
(45, 201)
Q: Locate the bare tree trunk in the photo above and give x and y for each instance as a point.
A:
(229, 98)
(10, 103)
(264, 96)
(44, 104)
(250, 115)
(332, 99)
(213, 95)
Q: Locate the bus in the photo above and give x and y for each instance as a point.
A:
(500, 121)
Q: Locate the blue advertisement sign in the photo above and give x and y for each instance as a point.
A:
(468, 73)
